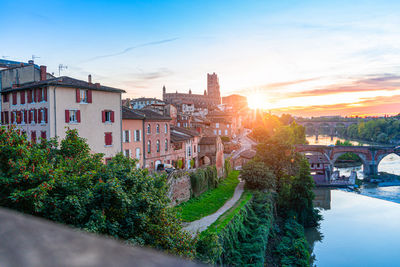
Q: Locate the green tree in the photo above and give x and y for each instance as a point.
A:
(258, 176)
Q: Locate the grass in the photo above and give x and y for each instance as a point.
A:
(225, 218)
(210, 201)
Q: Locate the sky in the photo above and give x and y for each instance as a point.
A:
(308, 58)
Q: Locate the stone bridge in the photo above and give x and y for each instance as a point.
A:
(371, 156)
(330, 127)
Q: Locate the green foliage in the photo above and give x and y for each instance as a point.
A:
(258, 176)
(210, 201)
(227, 166)
(293, 249)
(240, 237)
(203, 179)
(385, 130)
(179, 164)
(225, 139)
(72, 186)
(192, 163)
(296, 195)
(347, 157)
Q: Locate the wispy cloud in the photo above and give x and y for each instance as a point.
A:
(131, 48)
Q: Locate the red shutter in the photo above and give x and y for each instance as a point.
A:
(78, 96)
(103, 116)
(12, 117)
(112, 116)
(33, 136)
(18, 117)
(14, 98)
(35, 115)
(26, 116)
(45, 115)
(89, 96)
(45, 96)
(2, 117)
(43, 134)
(40, 99)
(78, 115)
(39, 115)
(6, 115)
(22, 97)
(66, 115)
(108, 139)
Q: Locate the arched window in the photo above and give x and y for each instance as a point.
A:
(166, 144)
(148, 128)
(148, 146)
(166, 128)
(158, 145)
(158, 128)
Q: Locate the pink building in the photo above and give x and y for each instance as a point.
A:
(133, 135)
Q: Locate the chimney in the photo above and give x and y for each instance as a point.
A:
(43, 73)
(90, 78)
(30, 62)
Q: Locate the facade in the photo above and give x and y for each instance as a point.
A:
(187, 108)
(132, 135)
(222, 124)
(211, 152)
(45, 108)
(320, 168)
(188, 141)
(210, 98)
(139, 103)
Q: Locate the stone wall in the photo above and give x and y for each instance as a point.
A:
(179, 187)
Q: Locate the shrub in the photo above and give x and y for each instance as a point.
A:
(258, 176)
(227, 166)
(180, 164)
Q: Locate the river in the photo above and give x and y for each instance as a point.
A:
(358, 229)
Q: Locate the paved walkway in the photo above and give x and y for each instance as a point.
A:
(203, 223)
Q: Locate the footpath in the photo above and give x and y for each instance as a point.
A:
(203, 223)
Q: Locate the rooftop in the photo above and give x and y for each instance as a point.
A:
(129, 114)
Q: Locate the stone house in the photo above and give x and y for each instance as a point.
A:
(211, 152)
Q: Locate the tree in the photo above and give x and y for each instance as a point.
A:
(258, 176)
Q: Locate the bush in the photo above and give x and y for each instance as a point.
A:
(258, 176)
(227, 166)
(180, 164)
(72, 186)
(203, 179)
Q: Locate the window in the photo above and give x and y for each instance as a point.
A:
(189, 151)
(43, 134)
(23, 116)
(14, 117)
(148, 146)
(219, 132)
(84, 96)
(179, 124)
(138, 153)
(32, 116)
(33, 136)
(14, 98)
(166, 128)
(158, 145)
(166, 144)
(137, 135)
(215, 132)
(148, 129)
(158, 128)
(227, 126)
(127, 136)
(108, 139)
(217, 125)
(5, 98)
(226, 132)
(127, 153)
(107, 116)
(22, 97)
(72, 116)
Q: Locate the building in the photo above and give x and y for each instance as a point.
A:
(42, 106)
(188, 141)
(139, 103)
(133, 135)
(210, 98)
(320, 168)
(222, 124)
(211, 152)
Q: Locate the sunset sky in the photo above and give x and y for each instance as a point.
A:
(304, 57)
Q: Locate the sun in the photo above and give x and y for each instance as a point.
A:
(256, 101)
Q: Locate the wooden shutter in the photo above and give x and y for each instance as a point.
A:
(78, 116)
(112, 116)
(45, 115)
(140, 135)
(89, 96)
(43, 134)
(22, 97)
(6, 116)
(33, 136)
(103, 116)
(45, 95)
(35, 115)
(39, 96)
(29, 116)
(108, 139)
(18, 117)
(67, 116)
(12, 117)
(40, 115)
(14, 98)
(78, 95)
(29, 92)
(26, 116)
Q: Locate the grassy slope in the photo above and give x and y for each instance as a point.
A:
(210, 201)
(225, 218)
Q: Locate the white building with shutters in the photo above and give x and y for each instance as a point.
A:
(45, 107)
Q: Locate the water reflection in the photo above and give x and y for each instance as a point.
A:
(355, 231)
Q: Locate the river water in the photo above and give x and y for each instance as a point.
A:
(358, 229)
